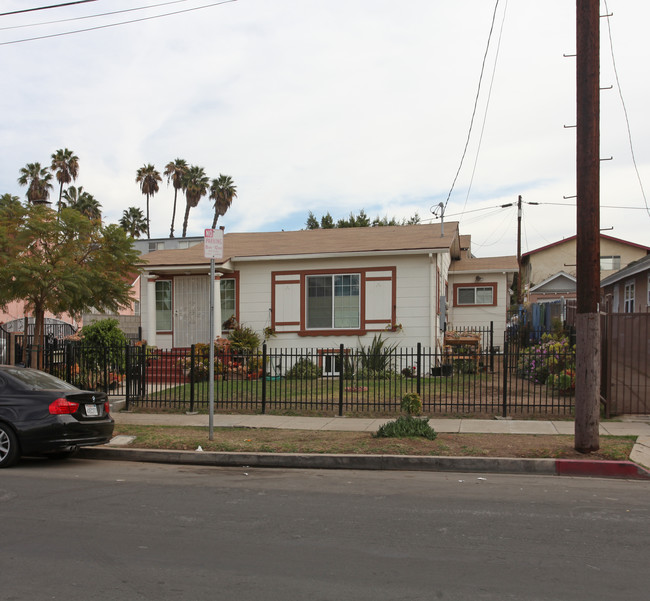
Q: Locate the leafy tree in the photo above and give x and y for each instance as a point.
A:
(38, 181)
(222, 191)
(69, 264)
(148, 178)
(8, 199)
(174, 172)
(360, 220)
(133, 222)
(66, 166)
(196, 184)
(312, 222)
(82, 201)
(327, 222)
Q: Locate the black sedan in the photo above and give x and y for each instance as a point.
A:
(43, 415)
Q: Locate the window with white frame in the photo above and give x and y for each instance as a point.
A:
(475, 295)
(628, 306)
(163, 306)
(610, 263)
(333, 301)
(228, 301)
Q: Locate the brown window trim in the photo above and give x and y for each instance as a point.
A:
(366, 275)
(492, 285)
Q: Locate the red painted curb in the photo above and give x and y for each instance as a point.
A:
(606, 469)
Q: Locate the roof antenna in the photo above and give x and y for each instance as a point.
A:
(440, 207)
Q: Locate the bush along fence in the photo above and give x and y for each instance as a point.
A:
(459, 379)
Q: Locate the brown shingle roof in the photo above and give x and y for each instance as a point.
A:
(312, 242)
(506, 263)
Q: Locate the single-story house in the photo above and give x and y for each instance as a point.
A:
(628, 290)
(320, 288)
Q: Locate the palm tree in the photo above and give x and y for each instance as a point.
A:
(38, 182)
(196, 184)
(148, 178)
(82, 201)
(66, 166)
(133, 222)
(174, 172)
(222, 191)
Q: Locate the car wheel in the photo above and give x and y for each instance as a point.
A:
(9, 451)
(60, 455)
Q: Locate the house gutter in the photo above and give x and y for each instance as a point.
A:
(370, 253)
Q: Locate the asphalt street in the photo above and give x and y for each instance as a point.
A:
(97, 530)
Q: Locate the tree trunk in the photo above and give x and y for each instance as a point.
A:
(38, 342)
(171, 231)
(187, 216)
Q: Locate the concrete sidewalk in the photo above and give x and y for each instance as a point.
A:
(639, 427)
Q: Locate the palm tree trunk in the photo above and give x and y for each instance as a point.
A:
(216, 218)
(148, 234)
(187, 216)
(58, 210)
(171, 231)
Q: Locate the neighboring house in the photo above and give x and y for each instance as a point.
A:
(541, 265)
(628, 290)
(319, 288)
(148, 245)
(561, 285)
(479, 292)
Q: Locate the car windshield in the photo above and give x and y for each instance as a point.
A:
(38, 380)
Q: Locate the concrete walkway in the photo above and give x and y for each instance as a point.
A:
(639, 427)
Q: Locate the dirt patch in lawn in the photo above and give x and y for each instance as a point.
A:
(260, 440)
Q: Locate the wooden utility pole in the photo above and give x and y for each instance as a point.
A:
(588, 226)
(520, 288)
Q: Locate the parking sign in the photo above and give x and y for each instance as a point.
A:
(213, 244)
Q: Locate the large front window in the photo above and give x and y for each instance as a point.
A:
(164, 306)
(333, 301)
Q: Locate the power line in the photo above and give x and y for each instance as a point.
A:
(487, 106)
(627, 121)
(478, 92)
(94, 16)
(56, 35)
(29, 10)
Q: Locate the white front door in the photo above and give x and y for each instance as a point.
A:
(191, 310)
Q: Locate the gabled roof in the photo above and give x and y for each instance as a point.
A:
(574, 237)
(638, 266)
(555, 279)
(488, 264)
(320, 242)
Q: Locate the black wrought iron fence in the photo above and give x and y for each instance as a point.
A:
(538, 379)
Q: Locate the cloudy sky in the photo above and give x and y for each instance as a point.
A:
(332, 105)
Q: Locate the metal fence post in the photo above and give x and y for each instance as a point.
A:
(192, 357)
(264, 378)
(491, 346)
(505, 378)
(129, 376)
(418, 369)
(341, 375)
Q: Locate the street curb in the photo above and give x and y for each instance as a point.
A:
(495, 465)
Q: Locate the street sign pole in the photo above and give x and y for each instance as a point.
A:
(211, 360)
(212, 249)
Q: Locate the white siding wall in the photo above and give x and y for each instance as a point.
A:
(480, 316)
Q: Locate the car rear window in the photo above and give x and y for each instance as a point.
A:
(38, 380)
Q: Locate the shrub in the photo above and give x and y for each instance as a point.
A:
(550, 357)
(304, 369)
(103, 345)
(244, 340)
(411, 403)
(407, 426)
(378, 355)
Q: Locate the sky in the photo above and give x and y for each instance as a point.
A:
(333, 106)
